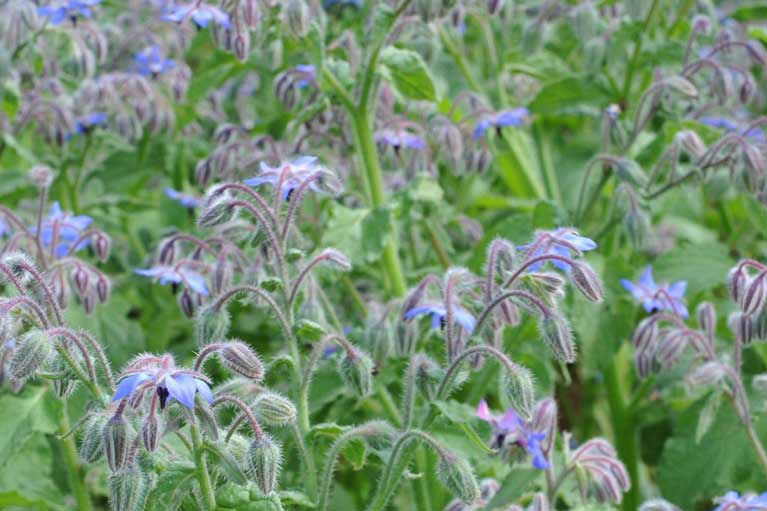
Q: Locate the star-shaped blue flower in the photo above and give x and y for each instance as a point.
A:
(562, 242)
(177, 275)
(439, 314)
(63, 229)
(180, 385)
(201, 14)
(656, 297)
(152, 62)
(514, 118)
(511, 427)
(186, 200)
(68, 10)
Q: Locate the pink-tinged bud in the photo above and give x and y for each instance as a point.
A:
(167, 252)
(701, 23)
(736, 283)
(150, 432)
(186, 302)
(117, 442)
(222, 274)
(752, 301)
(488, 487)
(545, 419)
(742, 326)
(646, 333)
(759, 324)
(691, 143)
(708, 373)
(458, 477)
(587, 281)
(644, 362)
(552, 283)
(103, 246)
(707, 318)
(242, 45)
(338, 258)
(240, 359)
(80, 278)
(89, 303)
(671, 346)
(494, 6)
(557, 335)
(41, 176)
(103, 288)
(747, 89)
(297, 17)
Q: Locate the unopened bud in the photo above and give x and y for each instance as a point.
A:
(338, 258)
(309, 330)
(557, 335)
(150, 432)
(357, 372)
(742, 327)
(488, 487)
(494, 6)
(428, 376)
(102, 245)
(211, 325)
(540, 503)
(103, 288)
(215, 212)
(520, 390)
(117, 442)
(691, 143)
(32, 351)
(456, 474)
(585, 19)
(683, 86)
(551, 283)
(80, 278)
(638, 226)
(127, 490)
(707, 318)
(594, 52)
(264, 460)
(297, 17)
(645, 334)
(65, 385)
(92, 443)
(18, 263)
(186, 303)
(240, 359)
(587, 281)
(274, 409)
(630, 171)
(736, 283)
(41, 176)
(545, 420)
(752, 301)
(708, 373)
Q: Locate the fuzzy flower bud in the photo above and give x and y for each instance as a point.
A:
(32, 352)
(357, 371)
(297, 17)
(742, 326)
(211, 325)
(264, 459)
(707, 318)
(127, 490)
(587, 281)
(274, 409)
(117, 441)
(150, 433)
(41, 176)
(520, 390)
(16, 262)
(240, 359)
(752, 301)
(707, 374)
(456, 474)
(691, 143)
(102, 246)
(215, 212)
(557, 335)
(92, 443)
(736, 283)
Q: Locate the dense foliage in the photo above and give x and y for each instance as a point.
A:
(429, 255)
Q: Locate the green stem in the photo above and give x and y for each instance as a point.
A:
(439, 249)
(637, 51)
(203, 476)
(625, 433)
(457, 55)
(308, 459)
(421, 485)
(72, 462)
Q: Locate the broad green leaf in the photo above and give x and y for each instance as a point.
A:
(375, 233)
(408, 73)
(572, 95)
(355, 453)
(704, 266)
(516, 484)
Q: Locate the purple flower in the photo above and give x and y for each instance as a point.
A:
(186, 200)
(731, 501)
(558, 242)
(168, 382)
(292, 174)
(152, 62)
(515, 117)
(510, 427)
(63, 229)
(656, 297)
(439, 314)
(177, 275)
(201, 14)
(71, 9)
(400, 138)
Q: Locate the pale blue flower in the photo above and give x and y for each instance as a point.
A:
(186, 200)
(732, 501)
(201, 14)
(63, 229)
(292, 173)
(511, 427)
(86, 123)
(171, 384)
(67, 10)
(562, 242)
(399, 139)
(177, 275)
(438, 315)
(152, 62)
(656, 297)
(515, 118)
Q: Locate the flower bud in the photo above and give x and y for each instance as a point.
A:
(587, 281)
(92, 443)
(708, 373)
(760, 382)
(264, 459)
(545, 419)
(488, 487)
(630, 171)
(41, 176)
(102, 245)
(759, 325)
(585, 19)
(594, 53)
(64, 386)
(428, 376)
(658, 505)
(557, 335)
(357, 372)
(405, 338)
(127, 490)
(309, 330)
(638, 226)
(240, 359)
(336, 257)
(540, 503)
(211, 325)
(80, 278)
(752, 301)
(551, 283)
(691, 143)
(117, 442)
(520, 390)
(683, 86)
(742, 327)
(32, 352)
(223, 274)
(494, 6)
(297, 17)
(150, 432)
(215, 212)
(456, 474)
(645, 334)
(103, 288)
(736, 283)
(274, 409)
(186, 303)
(380, 339)
(17, 263)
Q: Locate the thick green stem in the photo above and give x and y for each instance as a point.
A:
(203, 476)
(365, 147)
(72, 462)
(625, 433)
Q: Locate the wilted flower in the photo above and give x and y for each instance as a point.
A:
(515, 117)
(68, 10)
(558, 242)
(656, 297)
(152, 62)
(63, 229)
(439, 315)
(186, 200)
(177, 275)
(510, 427)
(291, 175)
(201, 14)
(168, 381)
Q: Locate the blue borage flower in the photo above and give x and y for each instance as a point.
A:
(186, 200)
(289, 176)
(201, 14)
(438, 315)
(732, 501)
(400, 138)
(511, 428)
(731, 126)
(63, 229)
(68, 10)
(152, 62)
(515, 118)
(656, 297)
(86, 123)
(562, 242)
(176, 275)
(149, 371)
(4, 229)
(307, 74)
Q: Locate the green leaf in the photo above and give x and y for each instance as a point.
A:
(296, 498)
(355, 452)
(222, 457)
(513, 487)
(330, 429)
(755, 11)
(704, 266)
(409, 74)
(572, 95)
(375, 233)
